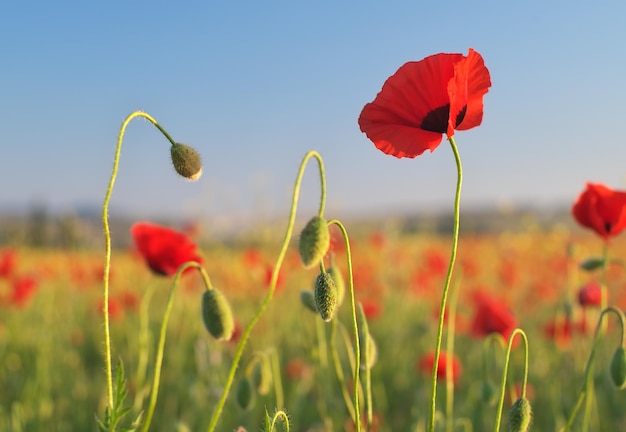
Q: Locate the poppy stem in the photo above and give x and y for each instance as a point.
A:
(154, 391)
(588, 381)
(444, 295)
(454, 295)
(338, 369)
(357, 345)
(274, 279)
(506, 370)
(603, 304)
(107, 241)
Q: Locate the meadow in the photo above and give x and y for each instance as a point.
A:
(334, 329)
(51, 350)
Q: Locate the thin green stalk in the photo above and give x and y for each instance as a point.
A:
(278, 416)
(270, 292)
(107, 242)
(276, 378)
(357, 348)
(444, 295)
(339, 370)
(154, 391)
(144, 349)
(590, 362)
(506, 370)
(454, 295)
(603, 304)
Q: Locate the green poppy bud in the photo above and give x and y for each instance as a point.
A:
(314, 242)
(335, 273)
(618, 368)
(308, 300)
(217, 315)
(262, 375)
(187, 161)
(520, 416)
(244, 394)
(369, 351)
(325, 296)
(489, 393)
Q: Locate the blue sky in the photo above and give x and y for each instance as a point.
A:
(255, 85)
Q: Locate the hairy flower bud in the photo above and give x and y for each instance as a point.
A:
(187, 161)
(335, 273)
(217, 314)
(618, 368)
(325, 296)
(520, 416)
(314, 242)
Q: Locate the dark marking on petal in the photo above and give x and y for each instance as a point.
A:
(460, 116)
(437, 119)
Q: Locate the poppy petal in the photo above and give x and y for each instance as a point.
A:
(472, 74)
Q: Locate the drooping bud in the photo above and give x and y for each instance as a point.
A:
(314, 242)
(520, 416)
(618, 368)
(217, 315)
(369, 351)
(489, 393)
(308, 300)
(325, 296)
(262, 375)
(335, 273)
(187, 161)
(244, 393)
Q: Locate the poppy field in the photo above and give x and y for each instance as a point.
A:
(322, 327)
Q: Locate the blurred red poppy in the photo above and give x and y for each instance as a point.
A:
(601, 209)
(590, 294)
(163, 248)
(426, 362)
(424, 100)
(23, 289)
(8, 262)
(492, 316)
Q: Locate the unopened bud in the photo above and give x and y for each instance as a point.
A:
(369, 351)
(262, 375)
(520, 416)
(618, 368)
(308, 300)
(325, 296)
(187, 161)
(217, 315)
(489, 393)
(314, 242)
(335, 273)
(244, 394)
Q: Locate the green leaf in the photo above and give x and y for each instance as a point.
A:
(591, 264)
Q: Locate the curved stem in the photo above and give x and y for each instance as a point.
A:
(270, 292)
(444, 295)
(154, 392)
(506, 370)
(590, 362)
(107, 242)
(280, 415)
(357, 348)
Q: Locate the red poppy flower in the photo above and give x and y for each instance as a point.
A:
(424, 100)
(601, 209)
(426, 362)
(492, 316)
(8, 262)
(590, 294)
(23, 289)
(163, 248)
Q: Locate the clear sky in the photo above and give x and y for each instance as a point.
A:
(255, 85)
